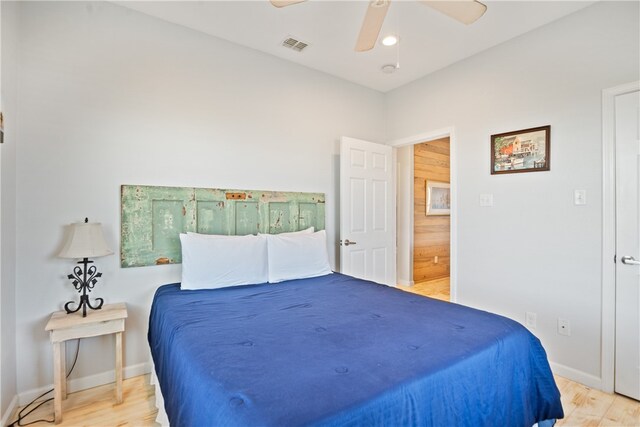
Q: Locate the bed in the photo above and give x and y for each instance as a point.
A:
(338, 351)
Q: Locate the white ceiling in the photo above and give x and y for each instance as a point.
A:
(428, 40)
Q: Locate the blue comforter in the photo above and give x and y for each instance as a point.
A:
(335, 350)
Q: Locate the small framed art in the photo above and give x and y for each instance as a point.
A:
(524, 150)
(438, 198)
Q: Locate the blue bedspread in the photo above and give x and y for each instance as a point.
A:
(335, 350)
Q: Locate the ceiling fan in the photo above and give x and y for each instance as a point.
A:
(465, 11)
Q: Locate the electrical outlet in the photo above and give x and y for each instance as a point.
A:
(486, 200)
(530, 320)
(579, 197)
(435, 259)
(564, 327)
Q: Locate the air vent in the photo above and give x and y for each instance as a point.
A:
(294, 44)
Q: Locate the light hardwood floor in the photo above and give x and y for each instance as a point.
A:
(438, 289)
(97, 407)
(583, 406)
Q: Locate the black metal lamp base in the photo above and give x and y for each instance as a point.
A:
(84, 279)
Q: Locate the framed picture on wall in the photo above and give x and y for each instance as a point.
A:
(438, 198)
(524, 150)
(1, 128)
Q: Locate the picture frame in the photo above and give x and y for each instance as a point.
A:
(438, 198)
(1, 128)
(526, 150)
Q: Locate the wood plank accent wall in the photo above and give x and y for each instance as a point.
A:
(431, 234)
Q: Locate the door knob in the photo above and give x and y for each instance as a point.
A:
(629, 260)
(348, 242)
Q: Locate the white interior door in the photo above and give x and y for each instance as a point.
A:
(627, 141)
(367, 211)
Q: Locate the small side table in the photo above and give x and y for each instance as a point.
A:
(62, 327)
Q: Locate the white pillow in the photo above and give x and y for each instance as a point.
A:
(297, 256)
(224, 261)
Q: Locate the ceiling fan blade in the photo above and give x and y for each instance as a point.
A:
(283, 3)
(465, 11)
(372, 24)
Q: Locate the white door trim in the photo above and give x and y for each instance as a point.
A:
(453, 172)
(609, 231)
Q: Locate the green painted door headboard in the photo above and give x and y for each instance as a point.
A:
(153, 217)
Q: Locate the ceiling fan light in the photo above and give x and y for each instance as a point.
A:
(390, 40)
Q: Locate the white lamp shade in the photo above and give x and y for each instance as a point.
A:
(85, 240)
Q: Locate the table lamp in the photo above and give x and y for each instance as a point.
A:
(85, 240)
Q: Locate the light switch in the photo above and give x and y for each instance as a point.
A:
(486, 200)
(580, 197)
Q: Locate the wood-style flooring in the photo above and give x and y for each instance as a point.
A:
(97, 407)
(583, 406)
(438, 289)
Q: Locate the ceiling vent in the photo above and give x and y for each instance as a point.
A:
(294, 44)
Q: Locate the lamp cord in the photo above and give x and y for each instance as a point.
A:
(21, 415)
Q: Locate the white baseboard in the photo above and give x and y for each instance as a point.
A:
(77, 384)
(403, 282)
(12, 407)
(576, 375)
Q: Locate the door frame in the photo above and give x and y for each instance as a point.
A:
(609, 232)
(453, 160)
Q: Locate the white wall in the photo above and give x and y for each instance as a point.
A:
(109, 96)
(8, 54)
(533, 250)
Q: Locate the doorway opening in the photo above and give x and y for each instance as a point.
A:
(424, 217)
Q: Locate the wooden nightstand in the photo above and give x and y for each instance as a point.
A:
(62, 327)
